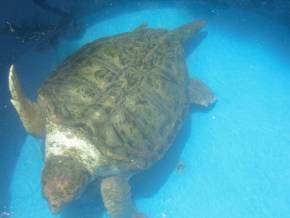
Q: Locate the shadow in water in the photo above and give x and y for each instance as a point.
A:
(150, 181)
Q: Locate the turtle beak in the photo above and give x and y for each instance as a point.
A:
(54, 196)
(55, 205)
(54, 208)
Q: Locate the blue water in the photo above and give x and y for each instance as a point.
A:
(236, 155)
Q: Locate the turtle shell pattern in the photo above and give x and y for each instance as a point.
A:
(127, 94)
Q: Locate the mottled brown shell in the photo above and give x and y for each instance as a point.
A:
(127, 94)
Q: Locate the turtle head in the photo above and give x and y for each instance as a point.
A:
(63, 180)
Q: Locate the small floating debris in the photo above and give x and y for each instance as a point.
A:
(180, 167)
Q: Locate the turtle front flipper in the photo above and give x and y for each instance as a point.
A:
(116, 193)
(200, 94)
(27, 110)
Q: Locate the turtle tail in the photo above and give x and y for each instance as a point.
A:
(187, 31)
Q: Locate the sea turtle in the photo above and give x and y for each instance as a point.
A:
(109, 111)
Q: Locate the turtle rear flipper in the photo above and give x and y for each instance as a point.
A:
(142, 26)
(27, 110)
(187, 31)
(200, 94)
